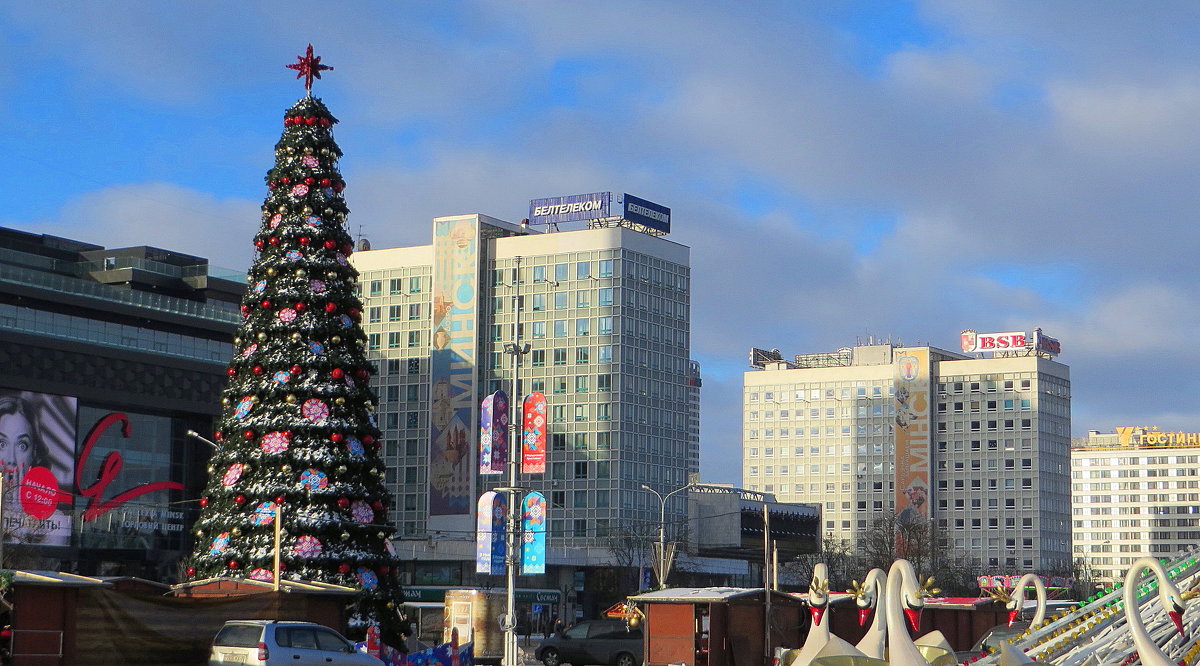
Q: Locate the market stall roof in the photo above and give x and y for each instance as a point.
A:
(704, 594)
(310, 586)
(57, 578)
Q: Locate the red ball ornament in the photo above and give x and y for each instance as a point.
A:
(217, 435)
(295, 369)
(339, 186)
(384, 570)
(343, 502)
(311, 120)
(258, 370)
(230, 371)
(329, 244)
(265, 303)
(310, 180)
(233, 564)
(335, 437)
(331, 307)
(325, 182)
(246, 310)
(355, 314)
(325, 122)
(285, 180)
(344, 567)
(203, 501)
(248, 434)
(191, 571)
(239, 499)
(303, 240)
(347, 248)
(337, 373)
(299, 307)
(368, 439)
(377, 505)
(273, 240)
(362, 374)
(279, 499)
(258, 243)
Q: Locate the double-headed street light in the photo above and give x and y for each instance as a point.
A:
(663, 560)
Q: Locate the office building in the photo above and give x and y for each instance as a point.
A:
(977, 444)
(107, 358)
(605, 312)
(1135, 493)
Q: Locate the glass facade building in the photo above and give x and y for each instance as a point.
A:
(605, 313)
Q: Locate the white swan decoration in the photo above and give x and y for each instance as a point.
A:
(1149, 653)
(1017, 602)
(818, 603)
(871, 596)
(904, 599)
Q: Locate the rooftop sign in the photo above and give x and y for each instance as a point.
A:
(571, 208)
(647, 213)
(973, 342)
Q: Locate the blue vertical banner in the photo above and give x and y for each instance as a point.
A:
(489, 533)
(485, 435)
(499, 432)
(533, 540)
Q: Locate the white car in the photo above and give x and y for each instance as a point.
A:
(270, 642)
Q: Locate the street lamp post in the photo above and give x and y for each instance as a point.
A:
(513, 519)
(662, 531)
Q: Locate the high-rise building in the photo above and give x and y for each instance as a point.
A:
(1135, 493)
(979, 445)
(107, 358)
(605, 313)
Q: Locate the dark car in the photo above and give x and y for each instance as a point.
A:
(604, 642)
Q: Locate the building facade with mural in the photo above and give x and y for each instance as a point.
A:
(978, 442)
(107, 358)
(604, 310)
(1135, 493)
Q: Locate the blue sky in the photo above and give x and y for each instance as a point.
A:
(839, 169)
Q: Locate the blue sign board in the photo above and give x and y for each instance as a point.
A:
(647, 213)
(573, 208)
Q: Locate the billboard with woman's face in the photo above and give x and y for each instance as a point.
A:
(37, 463)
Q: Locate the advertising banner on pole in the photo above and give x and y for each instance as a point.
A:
(533, 541)
(499, 432)
(913, 438)
(533, 434)
(489, 533)
(485, 436)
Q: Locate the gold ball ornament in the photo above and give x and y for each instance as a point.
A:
(262, 335)
(237, 531)
(296, 337)
(282, 209)
(339, 401)
(237, 341)
(336, 339)
(308, 150)
(291, 150)
(291, 399)
(345, 536)
(200, 533)
(225, 401)
(391, 604)
(301, 273)
(341, 469)
(271, 271)
(287, 469)
(308, 210)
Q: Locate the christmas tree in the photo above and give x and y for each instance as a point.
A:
(297, 433)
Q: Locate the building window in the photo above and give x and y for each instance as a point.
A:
(414, 338)
(560, 272)
(560, 356)
(581, 469)
(581, 383)
(606, 268)
(414, 285)
(580, 412)
(581, 355)
(605, 326)
(539, 302)
(560, 328)
(604, 354)
(376, 287)
(539, 329)
(393, 339)
(372, 341)
(583, 326)
(582, 298)
(538, 358)
(560, 300)
(583, 270)
(394, 286)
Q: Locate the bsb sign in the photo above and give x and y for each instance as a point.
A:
(973, 341)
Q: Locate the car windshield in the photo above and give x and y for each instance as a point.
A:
(577, 631)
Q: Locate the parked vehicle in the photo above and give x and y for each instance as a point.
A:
(272, 642)
(604, 642)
